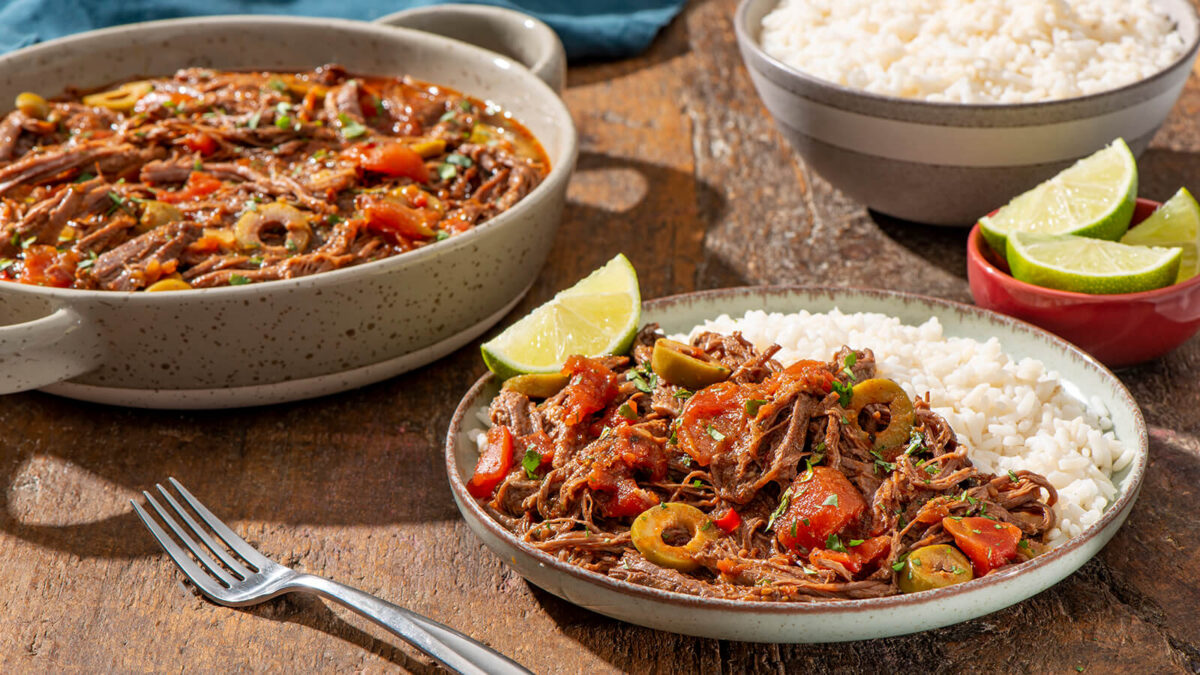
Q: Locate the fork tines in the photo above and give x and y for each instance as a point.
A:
(219, 576)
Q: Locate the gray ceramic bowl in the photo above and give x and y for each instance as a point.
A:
(282, 340)
(947, 163)
(843, 619)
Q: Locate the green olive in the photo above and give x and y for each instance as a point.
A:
(537, 385)
(672, 518)
(685, 365)
(900, 410)
(121, 99)
(250, 228)
(155, 214)
(934, 566)
(33, 105)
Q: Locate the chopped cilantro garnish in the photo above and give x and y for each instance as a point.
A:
(277, 84)
(752, 406)
(253, 121)
(794, 531)
(85, 177)
(350, 127)
(714, 434)
(446, 116)
(459, 160)
(238, 280)
(696, 483)
(834, 544)
(916, 442)
(644, 380)
(899, 564)
(442, 235)
(831, 500)
(682, 393)
(855, 542)
(1013, 477)
(845, 392)
(531, 462)
(466, 105)
(785, 500)
(283, 121)
(805, 521)
(627, 412)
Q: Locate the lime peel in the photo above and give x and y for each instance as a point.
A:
(1088, 265)
(1094, 197)
(1175, 223)
(598, 315)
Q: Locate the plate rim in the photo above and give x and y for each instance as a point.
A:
(1116, 511)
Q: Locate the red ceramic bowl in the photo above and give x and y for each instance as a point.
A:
(1119, 330)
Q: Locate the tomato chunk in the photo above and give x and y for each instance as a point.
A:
(988, 543)
(814, 375)
(713, 418)
(728, 522)
(201, 143)
(823, 502)
(198, 185)
(494, 463)
(392, 159)
(387, 216)
(47, 266)
(855, 558)
(592, 387)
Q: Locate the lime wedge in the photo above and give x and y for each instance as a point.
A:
(599, 315)
(1087, 265)
(1094, 197)
(1175, 223)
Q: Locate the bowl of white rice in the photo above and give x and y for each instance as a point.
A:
(938, 111)
(1017, 397)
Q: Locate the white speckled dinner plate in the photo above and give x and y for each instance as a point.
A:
(844, 619)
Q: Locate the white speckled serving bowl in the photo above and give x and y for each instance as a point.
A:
(291, 339)
(824, 621)
(950, 163)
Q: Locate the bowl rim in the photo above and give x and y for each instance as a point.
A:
(561, 168)
(1112, 513)
(977, 258)
(742, 30)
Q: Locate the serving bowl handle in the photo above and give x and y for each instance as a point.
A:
(518, 36)
(47, 350)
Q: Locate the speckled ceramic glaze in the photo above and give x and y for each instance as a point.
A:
(282, 340)
(948, 163)
(826, 621)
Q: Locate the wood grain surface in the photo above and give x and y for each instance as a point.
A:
(683, 171)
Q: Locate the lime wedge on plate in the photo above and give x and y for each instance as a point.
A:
(1092, 198)
(1175, 223)
(1086, 265)
(599, 315)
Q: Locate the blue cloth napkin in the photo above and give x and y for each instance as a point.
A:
(588, 28)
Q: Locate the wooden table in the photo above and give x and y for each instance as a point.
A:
(682, 170)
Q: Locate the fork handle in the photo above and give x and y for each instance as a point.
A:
(450, 647)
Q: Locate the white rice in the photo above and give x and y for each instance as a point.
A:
(974, 51)
(1010, 414)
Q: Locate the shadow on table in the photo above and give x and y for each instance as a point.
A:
(941, 246)
(313, 612)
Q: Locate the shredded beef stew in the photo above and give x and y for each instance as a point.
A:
(818, 481)
(213, 178)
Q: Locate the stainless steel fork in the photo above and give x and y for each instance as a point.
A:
(250, 578)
